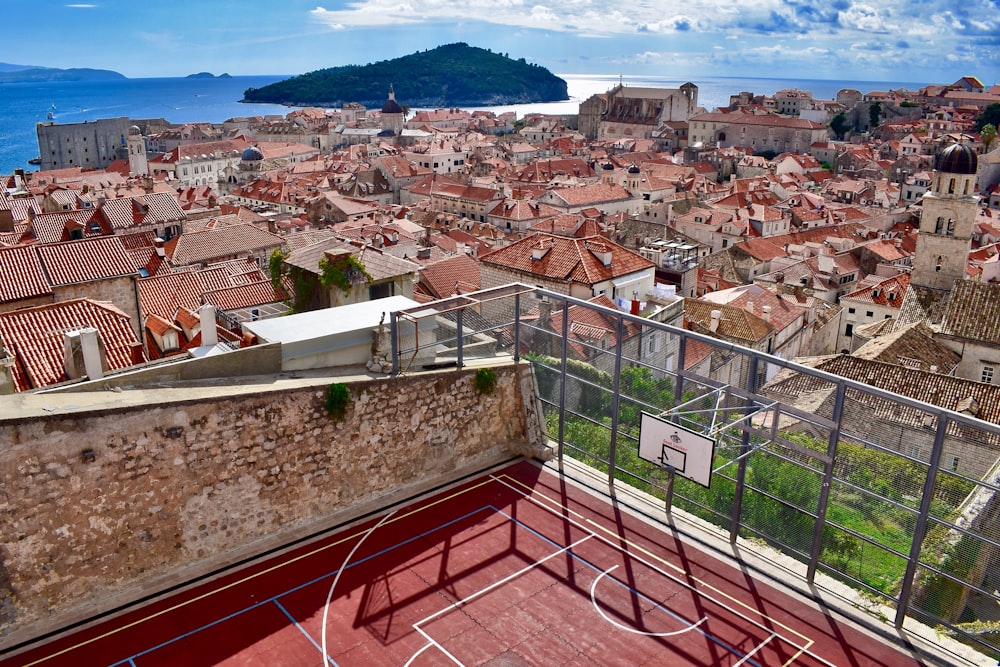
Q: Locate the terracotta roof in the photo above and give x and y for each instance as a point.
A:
(166, 293)
(590, 194)
(912, 346)
(736, 324)
(35, 337)
(88, 260)
(946, 391)
(22, 275)
(244, 296)
(452, 275)
(880, 293)
(150, 209)
(216, 243)
(567, 259)
(974, 312)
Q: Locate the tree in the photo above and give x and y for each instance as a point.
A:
(839, 125)
(874, 115)
(989, 116)
(988, 134)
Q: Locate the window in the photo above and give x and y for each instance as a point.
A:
(851, 311)
(954, 464)
(987, 375)
(869, 314)
(849, 331)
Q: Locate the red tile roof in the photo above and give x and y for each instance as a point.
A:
(567, 259)
(22, 275)
(85, 261)
(35, 337)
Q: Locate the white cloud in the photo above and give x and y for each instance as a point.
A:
(772, 32)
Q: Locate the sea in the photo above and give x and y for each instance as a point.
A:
(186, 100)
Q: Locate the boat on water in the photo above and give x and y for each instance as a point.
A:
(50, 115)
(35, 161)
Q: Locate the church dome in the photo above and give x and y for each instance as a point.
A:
(958, 159)
(634, 169)
(607, 166)
(391, 106)
(252, 154)
(134, 130)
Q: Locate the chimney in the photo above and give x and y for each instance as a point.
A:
(209, 334)
(82, 354)
(767, 313)
(713, 326)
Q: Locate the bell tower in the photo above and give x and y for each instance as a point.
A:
(137, 163)
(949, 213)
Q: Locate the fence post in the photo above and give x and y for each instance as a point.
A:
(394, 341)
(824, 491)
(616, 386)
(741, 469)
(920, 531)
(517, 327)
(458, 332)
(562, 377)
(679, 381)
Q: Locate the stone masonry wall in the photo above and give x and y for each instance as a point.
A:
(97, 506)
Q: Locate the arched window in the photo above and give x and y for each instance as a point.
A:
(951, 186)
(939, 226)
(940, 263)
(951, 227)
(968, 182)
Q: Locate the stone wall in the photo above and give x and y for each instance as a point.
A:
(101, 506)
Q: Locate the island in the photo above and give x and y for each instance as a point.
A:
(22, 74)
(208, 75)
(447, 76)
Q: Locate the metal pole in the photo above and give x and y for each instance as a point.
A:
(517, 327)
(562, 377)
(824, 491)
(458, 332)
(679, 382)
(741, 467)
(616, 386)
(394, 341)
(920, 531)
(669, 500)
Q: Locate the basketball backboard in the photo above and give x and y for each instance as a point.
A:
(667, 445)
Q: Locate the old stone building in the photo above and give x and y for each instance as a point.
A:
(949, 213)
(635, 112)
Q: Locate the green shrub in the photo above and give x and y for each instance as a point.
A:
(338, 397)
(485, 381)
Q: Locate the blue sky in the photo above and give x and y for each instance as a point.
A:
(933, 41)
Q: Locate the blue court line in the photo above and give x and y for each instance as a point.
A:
(409, 540)
(129, 660)
(307, 635)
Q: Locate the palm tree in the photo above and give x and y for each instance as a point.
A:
(988, 134)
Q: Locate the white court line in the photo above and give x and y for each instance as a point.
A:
(431, 644)
(343, 566)
(758, 649)
(497, 584)
(710, 598)
(593, 601)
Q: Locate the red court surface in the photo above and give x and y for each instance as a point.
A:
(517, 567)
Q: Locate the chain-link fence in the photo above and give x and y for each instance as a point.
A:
(895, 497)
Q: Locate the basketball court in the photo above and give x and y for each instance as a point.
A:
(519, 566)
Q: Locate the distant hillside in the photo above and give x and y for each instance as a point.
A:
(19, 74)
(208, 75)
(451, 75)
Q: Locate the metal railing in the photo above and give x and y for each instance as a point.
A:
(895, 497)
